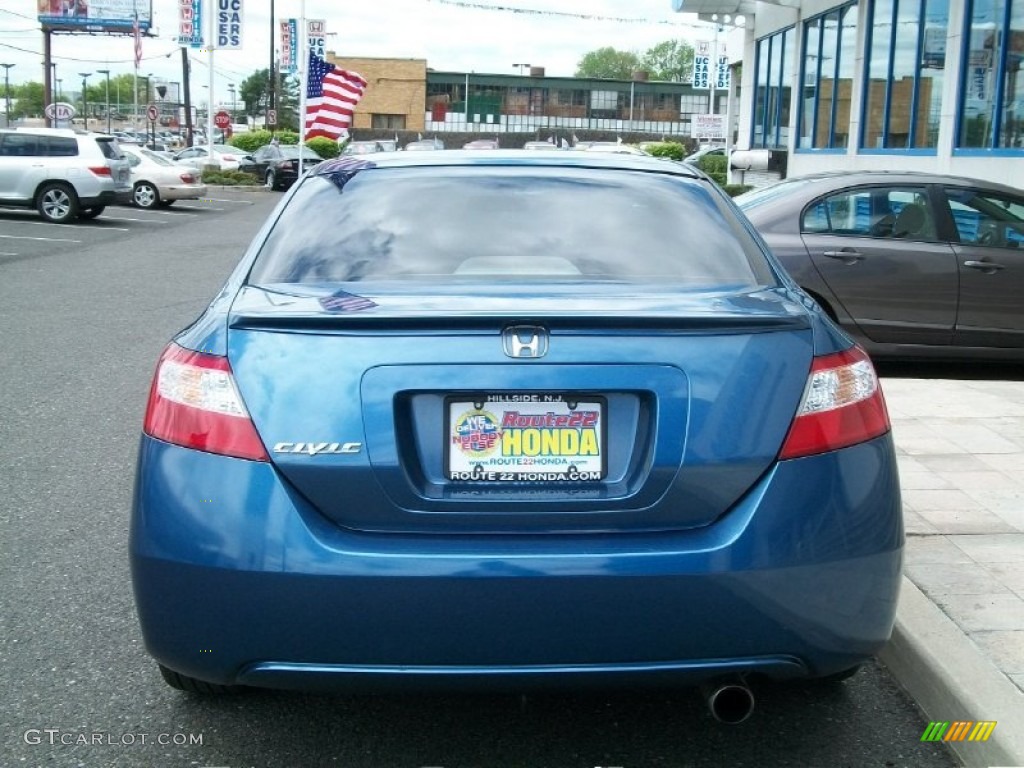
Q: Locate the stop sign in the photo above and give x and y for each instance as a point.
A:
(222, 120)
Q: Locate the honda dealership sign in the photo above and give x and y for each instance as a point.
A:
(228, 25)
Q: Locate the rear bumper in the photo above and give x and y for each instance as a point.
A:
(183, 192)
(237, 580)
(106, 197)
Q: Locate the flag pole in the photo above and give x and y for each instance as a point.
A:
(303, 80)
(211, 12)
(135, 58)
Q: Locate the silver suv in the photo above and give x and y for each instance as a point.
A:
(62, 173)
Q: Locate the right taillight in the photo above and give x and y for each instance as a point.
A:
(842, 405)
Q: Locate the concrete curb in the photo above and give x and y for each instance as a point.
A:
(946, 673)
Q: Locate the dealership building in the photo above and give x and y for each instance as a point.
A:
(923, 85)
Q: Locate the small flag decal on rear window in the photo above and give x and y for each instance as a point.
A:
(346, 302)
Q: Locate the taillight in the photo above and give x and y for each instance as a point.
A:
(842, 405)
(187, 178)
(194, 403)
(101, 170)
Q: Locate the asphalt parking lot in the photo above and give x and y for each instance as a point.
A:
(84, 311)
(24, 234)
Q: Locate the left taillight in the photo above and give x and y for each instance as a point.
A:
(194, 403)
(101, 170)
(842, 406)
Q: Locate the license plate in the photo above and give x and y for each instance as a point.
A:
(525, 437)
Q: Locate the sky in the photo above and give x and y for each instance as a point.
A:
(450, 34)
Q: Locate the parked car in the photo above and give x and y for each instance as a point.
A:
(63, 173)
(361, 148)
(421, 145)
(912, 265)
(157, 181)
(540, 145)
(388, 145)
(481, 144)
(278, 165)
(709, 150)
(613, 147)
(225, 157)
(407, 446)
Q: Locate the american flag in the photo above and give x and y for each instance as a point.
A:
(137, 34)
(331, 97)
(346, 302)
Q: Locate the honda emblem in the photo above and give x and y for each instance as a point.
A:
(525, 341)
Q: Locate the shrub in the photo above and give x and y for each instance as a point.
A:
(673, 150)
(250, 141)
(323, 146)
(229, 178)
(732, 190)
(287, 137)
(713, 164)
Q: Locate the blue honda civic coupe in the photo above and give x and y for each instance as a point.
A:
(505, 420)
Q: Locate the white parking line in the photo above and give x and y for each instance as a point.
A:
(7, 253)
(66, 227)
(198, 208)
(167, 213)
(125, 218)
(224, 200)
(44, 239)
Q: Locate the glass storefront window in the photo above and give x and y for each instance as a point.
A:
(906, 62)
(992, 90)
(772, 90)
(827, 77)
(1011, 132)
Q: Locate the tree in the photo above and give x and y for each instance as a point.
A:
(608, 63)
(254, 92)
(27, 100)
(670, 60)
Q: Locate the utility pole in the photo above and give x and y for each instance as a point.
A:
(7, 93)
(107, 73)
(187, 77)
(85, 99)
(271, 82)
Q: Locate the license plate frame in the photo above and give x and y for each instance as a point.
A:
(500, 438)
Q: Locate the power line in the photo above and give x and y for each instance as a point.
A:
(89, 61)
(566, 14)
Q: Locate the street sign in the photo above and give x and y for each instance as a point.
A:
(271, 117)
(222, 120)
(153, 112)
(59, 111)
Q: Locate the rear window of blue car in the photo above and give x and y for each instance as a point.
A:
(518, 223)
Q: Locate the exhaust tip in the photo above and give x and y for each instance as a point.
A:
(730, 703)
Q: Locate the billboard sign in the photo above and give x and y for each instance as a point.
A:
(95, 15)
(190, 23)
(228, 23)
(290, 46)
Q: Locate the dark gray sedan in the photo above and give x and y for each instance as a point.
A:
(913, 265)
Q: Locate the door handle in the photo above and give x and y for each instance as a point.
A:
(846, 255)
(988, 267)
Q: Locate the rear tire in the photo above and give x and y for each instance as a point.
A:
(57, 203)
(145, 195)
(188, 684)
